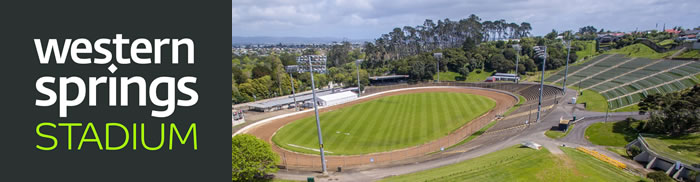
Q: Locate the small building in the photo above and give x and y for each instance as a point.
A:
(387, 80)
(337, 98)
(563, 124)
(503, 77)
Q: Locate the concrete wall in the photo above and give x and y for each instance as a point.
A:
(661, 163)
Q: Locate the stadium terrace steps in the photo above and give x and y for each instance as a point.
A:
(618, 76)
(647, 76)
(585, 67)
(667, 83)
(605, 70)
(623, 81)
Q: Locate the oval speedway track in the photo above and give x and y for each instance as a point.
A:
(266, 129)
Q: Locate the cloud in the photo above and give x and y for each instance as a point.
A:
(363, 19)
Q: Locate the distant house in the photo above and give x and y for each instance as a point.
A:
(690, 32)
(672, 31)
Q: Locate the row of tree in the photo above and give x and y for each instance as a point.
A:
(499, 56)
(408, 41)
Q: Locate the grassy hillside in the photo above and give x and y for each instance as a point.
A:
(588, 48)
(524, 164)
(449, 76)
(385, 124)
(690, 54)
(640, 50)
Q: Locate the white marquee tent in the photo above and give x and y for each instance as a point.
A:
(337, 98)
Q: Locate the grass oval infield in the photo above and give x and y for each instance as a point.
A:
(385, 124)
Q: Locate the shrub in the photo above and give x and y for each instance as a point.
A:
(251, 158)
(659, 176)
(634, 151)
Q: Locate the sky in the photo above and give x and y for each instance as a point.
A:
(368, 19)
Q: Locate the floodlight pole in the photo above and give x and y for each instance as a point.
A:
(318, 123)
(437, 56)
(517, 60)
(566, 70)
(544, 64)
(359, 91)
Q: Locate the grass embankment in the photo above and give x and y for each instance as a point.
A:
(556, 134)
(613, 134)
(478, 75)
(385, 124)
(594, 101)
(449, 76)
(690, 54)
(588, 49)
(684, 148)
(524, 164)
(640, 50)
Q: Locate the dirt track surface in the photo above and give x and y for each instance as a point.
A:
(306, 161)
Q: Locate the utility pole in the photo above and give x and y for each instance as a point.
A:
(541, 52)
(566, 70)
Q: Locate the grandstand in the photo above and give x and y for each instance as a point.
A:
(626, 81)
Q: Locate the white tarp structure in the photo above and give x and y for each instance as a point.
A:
(337, 98)
(532, 145)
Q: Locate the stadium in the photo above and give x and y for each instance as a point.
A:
(488, 101)
(405, 128)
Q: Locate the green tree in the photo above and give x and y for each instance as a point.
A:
(251, 158)
(674, 113)
(551, 35)
(260, 71)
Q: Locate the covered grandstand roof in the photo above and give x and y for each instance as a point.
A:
(387, 77)
(290, 100)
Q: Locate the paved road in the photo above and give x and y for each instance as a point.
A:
(487, 143)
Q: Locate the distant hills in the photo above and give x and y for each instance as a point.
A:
(239, 40)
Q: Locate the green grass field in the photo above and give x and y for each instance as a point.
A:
(385, 124)
(615, 134)
(449, 76)
(524, 164)
(684, 148)
(640, 50)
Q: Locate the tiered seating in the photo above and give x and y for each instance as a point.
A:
(629, 85)
(572, 69)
